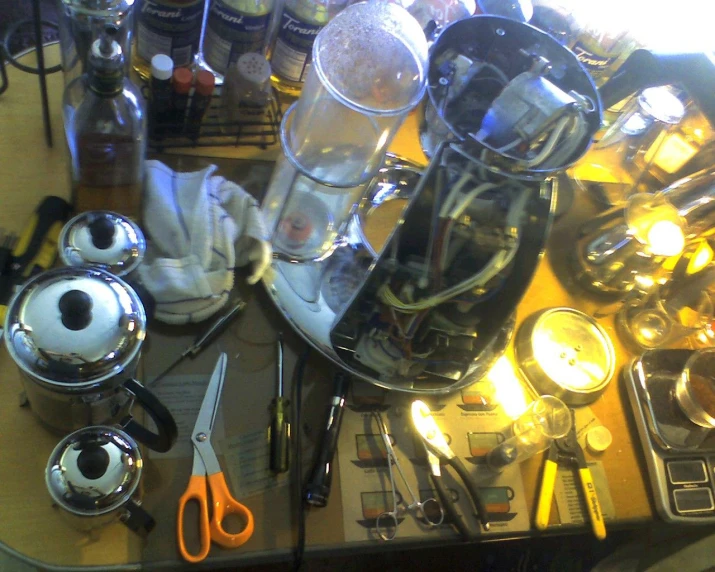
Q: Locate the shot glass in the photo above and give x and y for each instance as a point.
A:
(546, 419)
(658, 320)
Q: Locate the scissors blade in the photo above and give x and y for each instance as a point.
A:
(212, 397)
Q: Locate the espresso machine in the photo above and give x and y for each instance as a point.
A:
(410, 278)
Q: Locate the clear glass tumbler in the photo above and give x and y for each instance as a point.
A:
(369, 68)
(334, 138)
(546, 419)
(656, 320)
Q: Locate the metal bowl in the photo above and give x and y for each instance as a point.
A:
(565, 353)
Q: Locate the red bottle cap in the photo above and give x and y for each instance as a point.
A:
(182, 80)
(205, 82)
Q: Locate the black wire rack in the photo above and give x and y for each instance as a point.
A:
(255, 126)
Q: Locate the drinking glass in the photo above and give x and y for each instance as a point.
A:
(546, 419)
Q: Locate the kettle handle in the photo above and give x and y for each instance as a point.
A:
(167, 432)
(136, 519)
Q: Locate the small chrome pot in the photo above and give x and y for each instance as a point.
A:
(103, 239)
(76, 334)
(93, 475)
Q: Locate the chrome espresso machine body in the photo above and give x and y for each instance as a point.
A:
(419, 291)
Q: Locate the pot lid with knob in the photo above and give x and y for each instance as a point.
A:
(75, 326)
(94, 470)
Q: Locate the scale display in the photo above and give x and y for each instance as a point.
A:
(680, 455)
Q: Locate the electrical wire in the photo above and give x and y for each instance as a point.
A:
(297, 465)
(571, 142)
(551, 142)
(455, 213)
(496, 264)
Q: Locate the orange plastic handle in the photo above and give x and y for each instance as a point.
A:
(224, 504)
(196, 491)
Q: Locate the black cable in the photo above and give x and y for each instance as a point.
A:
(297, 464)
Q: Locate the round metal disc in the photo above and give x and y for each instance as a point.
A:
(564, 352)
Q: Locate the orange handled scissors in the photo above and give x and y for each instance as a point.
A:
(206, 468)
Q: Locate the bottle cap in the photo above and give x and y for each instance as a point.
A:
(162, 66)
(254, 68)
(183, 78)
(599, 439)
(205, 82)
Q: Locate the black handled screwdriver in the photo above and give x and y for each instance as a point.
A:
(203, 339)
(279, 431)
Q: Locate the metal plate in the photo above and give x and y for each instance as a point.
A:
(564, 352)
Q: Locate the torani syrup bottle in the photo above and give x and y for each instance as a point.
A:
(171, 28)
(234, 28)
(292, 49)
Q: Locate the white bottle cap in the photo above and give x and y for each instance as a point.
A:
(254, 68)
(162, 66)
(599, 439)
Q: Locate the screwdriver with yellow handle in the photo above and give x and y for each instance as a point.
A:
(35, 249)
(568, 449)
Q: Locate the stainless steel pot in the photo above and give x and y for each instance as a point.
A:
(76, 335)
(103, 239)
(93, 475)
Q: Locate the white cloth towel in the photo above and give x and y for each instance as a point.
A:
(200, 228)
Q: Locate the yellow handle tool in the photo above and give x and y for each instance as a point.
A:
(546, 494)
(36, 248)
(594, 506)
(568, 449)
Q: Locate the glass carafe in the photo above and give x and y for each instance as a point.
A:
(105, 126)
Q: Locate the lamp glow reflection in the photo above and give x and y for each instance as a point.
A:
(666, 238)
(509, 390)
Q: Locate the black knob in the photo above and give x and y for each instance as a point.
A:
(102, 230)
(76, 309)
(93, 461)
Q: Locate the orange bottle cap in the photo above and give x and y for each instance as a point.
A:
(182, 80)
(205, 82)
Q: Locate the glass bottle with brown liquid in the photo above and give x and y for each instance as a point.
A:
(105, 126)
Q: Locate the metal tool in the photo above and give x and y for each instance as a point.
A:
(279, 431)
(318, 489)
(387, 522)
(568, 449)
(206, 469)
(203, 339)
(437, 450)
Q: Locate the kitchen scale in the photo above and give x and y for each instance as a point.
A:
(680, 455)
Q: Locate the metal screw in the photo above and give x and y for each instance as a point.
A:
(443, 81)
(500, 32)
(572, 361)
(201, 437)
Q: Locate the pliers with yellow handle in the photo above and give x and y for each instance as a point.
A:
(568, 449)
